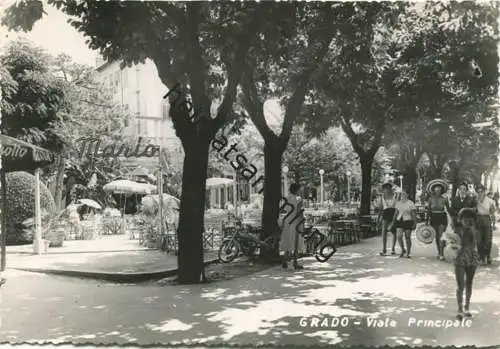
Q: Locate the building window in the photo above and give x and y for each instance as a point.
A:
(164, 110)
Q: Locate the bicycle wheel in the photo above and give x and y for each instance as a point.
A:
(325, 252)
(228, 251)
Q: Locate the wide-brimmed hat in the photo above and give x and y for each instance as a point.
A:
(425, 233)
(438, 181)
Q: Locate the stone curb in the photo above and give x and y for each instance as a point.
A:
(110, 276)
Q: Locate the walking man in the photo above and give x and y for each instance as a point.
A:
(462, 200)
(485, 218)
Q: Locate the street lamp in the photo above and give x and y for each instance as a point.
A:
(348, 173)
(321, 173)
(401, 181)
(285, 180)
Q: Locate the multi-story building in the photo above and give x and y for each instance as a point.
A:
(139, 90)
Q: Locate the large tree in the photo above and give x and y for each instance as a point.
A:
(200, 47)
(281, 67)
(31, 108)
(359, 87)
(454, 86)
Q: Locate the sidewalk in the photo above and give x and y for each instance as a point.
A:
(112, 258)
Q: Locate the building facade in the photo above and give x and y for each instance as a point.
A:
(139, 90)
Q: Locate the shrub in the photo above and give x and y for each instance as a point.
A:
(21, 205)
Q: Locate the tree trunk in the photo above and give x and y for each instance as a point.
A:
(190, 233)
(59, 182)
(3, 241)
(366, 161)
(272, 196)
(410, 180)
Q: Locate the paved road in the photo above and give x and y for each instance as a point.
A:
(264, 308)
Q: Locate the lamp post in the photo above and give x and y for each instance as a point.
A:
(348, 173)
(401, 181)
(285, 180)
(321, 173)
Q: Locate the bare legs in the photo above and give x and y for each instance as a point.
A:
(439, 244)
(406, 235)
(385, 225)
(464, 277)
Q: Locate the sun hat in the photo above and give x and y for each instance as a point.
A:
(425, 233)
(438, 181)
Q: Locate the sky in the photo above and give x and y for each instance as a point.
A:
(54, 34)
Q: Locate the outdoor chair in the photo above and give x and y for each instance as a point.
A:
(172, 245)
(366, 226)
(339, 233)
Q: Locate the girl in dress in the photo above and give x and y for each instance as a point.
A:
(293, 223)
(387, 205)
(467, 259)
(437, 215)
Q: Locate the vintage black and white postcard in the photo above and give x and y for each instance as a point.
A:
(249, 174)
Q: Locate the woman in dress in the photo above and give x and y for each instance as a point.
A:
(386, 206)
(291, 241)
(467, 260)
(405, 220)
(437, 206)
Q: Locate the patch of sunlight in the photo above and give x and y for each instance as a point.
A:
(113, 333)
(404, 286)
(262, 317)
(323, 279)
(99, 307)
(485, 295)
(401, 340)
(169, 325)
(54, 299)
(331, 337)
(86, 336)
(25, 297)
(290, 285)
(149, 300)
(243, 294)
(216, 293)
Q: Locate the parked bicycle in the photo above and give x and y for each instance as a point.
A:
(321, 250)
(244, 240)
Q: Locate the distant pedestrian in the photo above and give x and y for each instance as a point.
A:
(463, 199)
(467, 259)
(293, 222)
(437, 206)
(485, 217)
(386, 207)
(405, 221)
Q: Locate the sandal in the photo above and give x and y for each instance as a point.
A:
(408, 256)
(393, 253)
(402, 254)
(467, 314)
(460, 316)
(383, 254)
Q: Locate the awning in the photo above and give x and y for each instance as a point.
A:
(14, 148)
(219, 182)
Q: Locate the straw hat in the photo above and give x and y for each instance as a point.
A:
(425, 233)
(438, 181)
